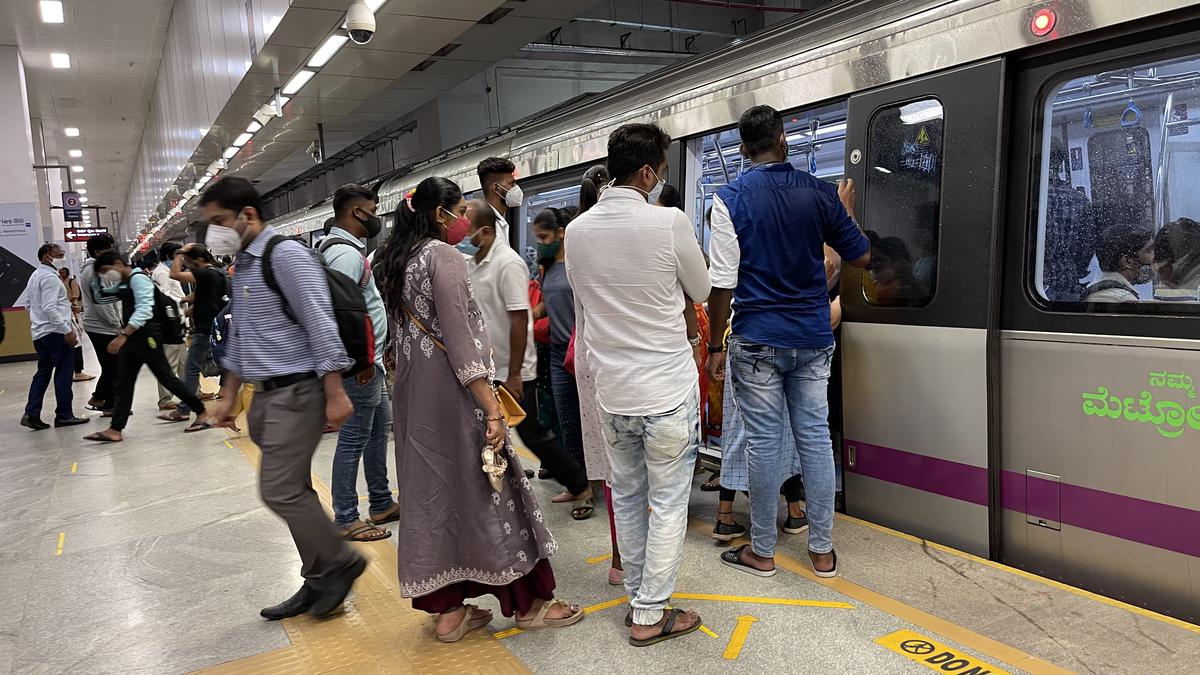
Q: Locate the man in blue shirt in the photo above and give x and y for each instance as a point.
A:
(365, 434)
(295, 365)
(769, 229)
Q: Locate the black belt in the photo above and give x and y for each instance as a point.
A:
(283, 381)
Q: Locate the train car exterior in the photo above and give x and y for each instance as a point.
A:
(1004, 392)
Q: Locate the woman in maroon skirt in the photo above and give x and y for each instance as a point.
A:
(460, 537)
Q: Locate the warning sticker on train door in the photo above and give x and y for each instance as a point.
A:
(935, 655)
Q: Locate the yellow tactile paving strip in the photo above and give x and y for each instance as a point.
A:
(380, 631)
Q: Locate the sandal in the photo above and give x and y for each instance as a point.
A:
(174, 416)
(666, 633)
(724, 531)
(100, 437)
(831, 572)
(540, 620)
(585, 510)
(390, 516)
(469, 623)
(198, 425)
(359, 532)
(712, 484)
(733, 558)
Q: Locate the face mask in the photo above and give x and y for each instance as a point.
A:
(222, 241)
(59, 263)
(458, 231)
(514, 197)
(110, 279)
(656, 191)
(467, 247)
(549, 251)
(373, 225)
(1144, 274)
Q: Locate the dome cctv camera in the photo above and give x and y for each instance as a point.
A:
(360, 23)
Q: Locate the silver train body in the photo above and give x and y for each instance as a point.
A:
(1055, 436)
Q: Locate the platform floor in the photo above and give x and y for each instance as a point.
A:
(155, 555)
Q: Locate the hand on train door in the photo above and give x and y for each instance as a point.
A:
(847, 194)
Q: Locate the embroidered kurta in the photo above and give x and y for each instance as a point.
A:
(453, 526)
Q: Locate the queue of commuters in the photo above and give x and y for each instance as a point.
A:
(450, 310)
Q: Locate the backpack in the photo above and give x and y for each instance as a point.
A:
(349, 309)
(1104, 285)
(167, 317)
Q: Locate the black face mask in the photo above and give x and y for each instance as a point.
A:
(373, 225)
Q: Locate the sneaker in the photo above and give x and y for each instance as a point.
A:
(727, 532)
(795, 525)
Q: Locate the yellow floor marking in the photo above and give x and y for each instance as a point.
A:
(62, 538)
(229, 445)
(598, 559)
(947, 629)
(763, 601)
(1141, 611)
(707, 631)
(935, 655)
(507, 633)
(74, 466)
(738, 639)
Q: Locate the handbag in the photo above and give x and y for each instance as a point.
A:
(569, 361)
(494, 465)
(512, 411)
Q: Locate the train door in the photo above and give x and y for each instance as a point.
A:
(915, 335)
(1099, 409)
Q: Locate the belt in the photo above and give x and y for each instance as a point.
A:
(282, 381)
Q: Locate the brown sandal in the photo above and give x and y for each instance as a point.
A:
(360, 532)
(469, 623)
(389, 516)
(540, 620)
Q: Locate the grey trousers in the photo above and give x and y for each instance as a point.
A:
(176, 358)
(287, 424)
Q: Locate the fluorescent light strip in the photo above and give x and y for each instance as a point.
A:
(60, 60)
(52, 11)
(242, 140)
(230, 152)
(298, 80)
(327, 50)
(254, 127)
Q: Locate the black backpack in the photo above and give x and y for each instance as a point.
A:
(349, 309)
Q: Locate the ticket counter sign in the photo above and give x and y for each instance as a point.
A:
(935, 655)
(72, 207)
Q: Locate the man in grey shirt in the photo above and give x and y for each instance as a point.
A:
(101, 322)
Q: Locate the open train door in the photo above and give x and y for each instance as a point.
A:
(919, 323)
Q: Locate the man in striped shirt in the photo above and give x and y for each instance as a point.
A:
(296, 368)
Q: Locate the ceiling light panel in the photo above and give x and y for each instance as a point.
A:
(60, 60)
(230, 152)
(75, 153)
(52, 11)
(242, 140)
(82, 191)
(298, 80)
(71, 132)
(77, 168)
(254, 127)
(326, 51)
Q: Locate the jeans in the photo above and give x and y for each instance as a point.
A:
(55, 363)
(566, 403)
(765, 379)
(136, 353)
(106, 385)
(549, 450)
(365, 436)
(652, 461)
(197, 354)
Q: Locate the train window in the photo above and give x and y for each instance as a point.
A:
(816, 143)
(1117, 207)
(903, 194)
(537, 201)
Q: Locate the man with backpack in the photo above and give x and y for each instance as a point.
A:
(365, 435)
(284, 337)
(149, 322)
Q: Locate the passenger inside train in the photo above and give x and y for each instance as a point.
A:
(471, 321)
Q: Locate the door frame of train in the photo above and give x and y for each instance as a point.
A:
(974, 98)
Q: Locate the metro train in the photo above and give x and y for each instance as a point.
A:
(1003, 151)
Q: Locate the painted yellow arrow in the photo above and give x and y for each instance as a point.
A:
(738, 639)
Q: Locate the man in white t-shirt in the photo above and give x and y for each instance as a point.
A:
(176, 354)
(501, 282)
(634, 267)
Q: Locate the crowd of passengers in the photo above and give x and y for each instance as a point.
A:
(606, 365)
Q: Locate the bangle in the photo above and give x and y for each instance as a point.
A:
(499, 418)
(716, 349)
(695, 342)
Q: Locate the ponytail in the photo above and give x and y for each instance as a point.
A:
(594, 181)
(416, 224)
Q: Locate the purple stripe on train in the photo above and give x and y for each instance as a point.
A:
(1152, 523)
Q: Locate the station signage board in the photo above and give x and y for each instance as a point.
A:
(73, 234)
(72, 207)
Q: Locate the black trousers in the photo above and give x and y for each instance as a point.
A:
(548, 448)
(793, 490)
(105, 386)
(136, 353)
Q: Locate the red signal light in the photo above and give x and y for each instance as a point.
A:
(1043, 22)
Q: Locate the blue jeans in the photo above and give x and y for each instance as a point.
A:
(765, 381)
(566, 403)
(55, 363)
(652, 461)
(365, 436)
(197, 354)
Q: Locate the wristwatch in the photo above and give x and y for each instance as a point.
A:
(716, 349)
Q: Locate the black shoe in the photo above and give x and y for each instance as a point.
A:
(293, 606)
(33, 423)
(544, 475)
(727, 532)
(71, 421)
(529, 473)
(330, 600)
(795, 525)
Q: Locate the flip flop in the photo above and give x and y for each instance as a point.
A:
(351, 533)
(468, 624)
(174, 416)
(585, 510)
(712, 484)
(198, 426)
(666, 633)
(733, 558)
(825, 575)
(540, 620)
(390, 516)
(99, 437)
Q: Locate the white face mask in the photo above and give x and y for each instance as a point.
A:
(656, 191)
(222, 240)
(59, 263)
(514, 197)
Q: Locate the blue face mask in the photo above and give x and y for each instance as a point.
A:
(466, 247)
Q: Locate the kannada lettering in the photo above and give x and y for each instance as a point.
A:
(1170, 418)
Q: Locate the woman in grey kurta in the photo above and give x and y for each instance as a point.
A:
(459, 538)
